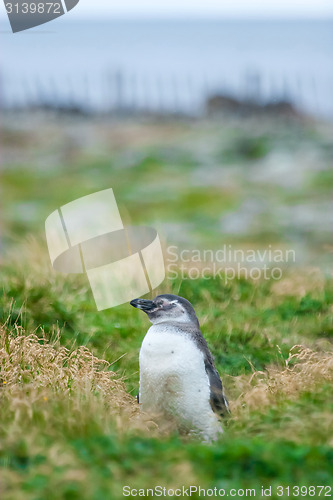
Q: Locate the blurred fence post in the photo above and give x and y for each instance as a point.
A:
(252, 86)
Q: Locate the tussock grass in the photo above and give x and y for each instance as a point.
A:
(58, 408)
(34, 370)
(293, 403)
(36, 373)
(305, 370)
(33, 360)
(69, 428)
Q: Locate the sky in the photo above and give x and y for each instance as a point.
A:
(276, 9)
(206, 8)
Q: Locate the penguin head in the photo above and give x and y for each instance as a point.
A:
(167, 308)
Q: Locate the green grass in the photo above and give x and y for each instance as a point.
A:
(75, 449)
(75, 438)
(243, 321)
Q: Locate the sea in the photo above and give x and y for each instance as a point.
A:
(173, 64)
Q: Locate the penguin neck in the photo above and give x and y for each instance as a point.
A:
(171, 323)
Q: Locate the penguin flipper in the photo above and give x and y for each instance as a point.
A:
(218, 401)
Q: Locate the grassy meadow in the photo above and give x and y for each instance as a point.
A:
(70, 427)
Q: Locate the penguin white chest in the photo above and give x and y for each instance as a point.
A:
(173, 380)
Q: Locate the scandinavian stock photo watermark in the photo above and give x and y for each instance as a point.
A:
(87, 235)
(228, 263)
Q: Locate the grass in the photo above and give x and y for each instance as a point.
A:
(69, 422)
(70, 429)
(70, 426)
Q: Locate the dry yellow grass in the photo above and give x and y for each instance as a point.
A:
(50, 394)
(34, 372)
(31, 359)
(304, 370)
(306, 280)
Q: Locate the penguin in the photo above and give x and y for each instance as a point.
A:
(178, 377)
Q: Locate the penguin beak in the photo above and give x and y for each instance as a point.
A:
(144, 305)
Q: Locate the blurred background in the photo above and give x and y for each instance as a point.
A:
(166, 66)
(213, 123)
